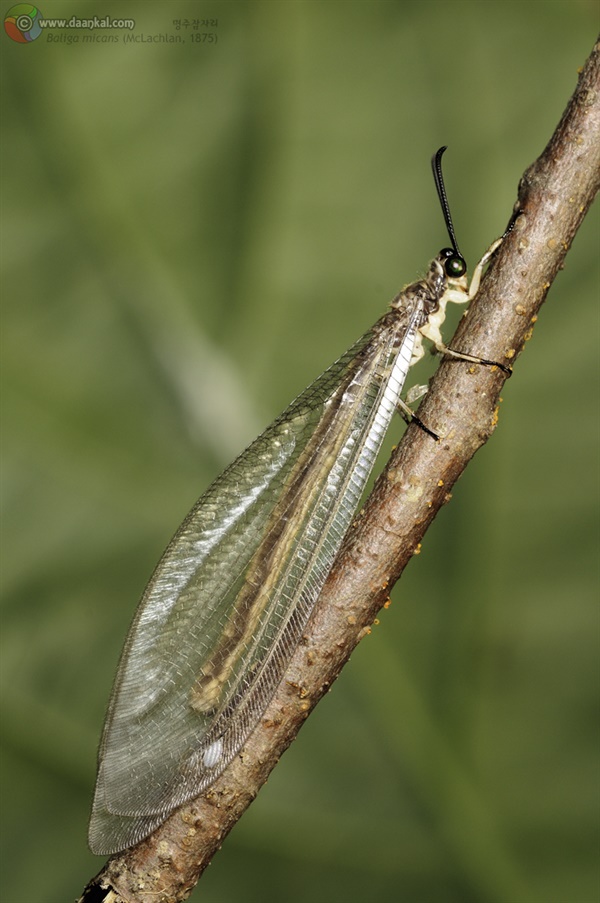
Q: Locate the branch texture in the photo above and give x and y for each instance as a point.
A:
(554, 196)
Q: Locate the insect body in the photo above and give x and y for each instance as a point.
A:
(228, 603)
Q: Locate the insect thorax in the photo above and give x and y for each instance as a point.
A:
(423, 296)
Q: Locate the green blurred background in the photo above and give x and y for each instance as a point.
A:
(192, 232)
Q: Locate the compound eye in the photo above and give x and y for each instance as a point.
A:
(455, 266)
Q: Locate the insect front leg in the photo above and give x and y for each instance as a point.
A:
(478, 271)
(432, 331)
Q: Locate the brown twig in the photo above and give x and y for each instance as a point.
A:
(554, 196)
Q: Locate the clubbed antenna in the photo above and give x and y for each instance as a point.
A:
(436, 165)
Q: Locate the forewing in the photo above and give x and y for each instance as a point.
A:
(228, 601)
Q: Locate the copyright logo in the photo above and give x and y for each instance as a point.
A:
(22, 23)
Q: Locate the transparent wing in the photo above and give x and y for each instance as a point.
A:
(227, 603)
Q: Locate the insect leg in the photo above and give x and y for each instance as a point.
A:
(473, 359)
(409, 416)
(416, 393)
(432, 331)
(478, 271)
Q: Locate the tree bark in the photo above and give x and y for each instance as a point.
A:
(461, 407)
